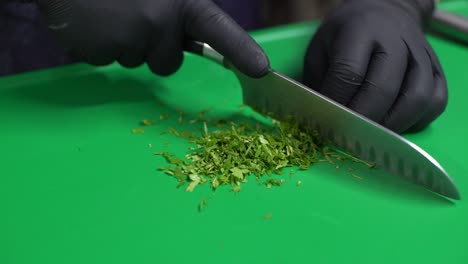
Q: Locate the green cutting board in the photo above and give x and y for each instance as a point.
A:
(77, 186)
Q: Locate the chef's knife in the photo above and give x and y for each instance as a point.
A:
(452, 26)
(345, 129)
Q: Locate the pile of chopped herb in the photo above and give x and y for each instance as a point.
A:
(228, 153)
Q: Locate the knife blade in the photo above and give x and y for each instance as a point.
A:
(346, 130)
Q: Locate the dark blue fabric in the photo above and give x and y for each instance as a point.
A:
(247, 13)
(26, 44)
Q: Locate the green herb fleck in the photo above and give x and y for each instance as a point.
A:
(138, 131)
(164, 116)
(202, 205)
(181, 117)
(147, 122)
(357, 177)
(228, 153)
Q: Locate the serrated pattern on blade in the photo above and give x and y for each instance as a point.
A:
(391, 163)
(347, 130)
(397, 165)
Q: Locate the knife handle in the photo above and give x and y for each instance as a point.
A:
(204, 50)
(450, 26)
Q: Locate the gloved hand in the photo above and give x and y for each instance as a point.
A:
(373, 57)
(133, 32)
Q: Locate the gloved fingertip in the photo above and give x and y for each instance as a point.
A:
(206, 22)
(259, 67)
(131, 59)
(397, 128)
(162, 69)
(254, 64)
(165, 61)
(416, 128)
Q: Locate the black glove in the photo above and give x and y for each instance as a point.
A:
(133, 32)
(373, 57)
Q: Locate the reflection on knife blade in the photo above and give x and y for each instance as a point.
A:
(347, 130)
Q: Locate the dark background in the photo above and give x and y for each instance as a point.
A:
(26, 44)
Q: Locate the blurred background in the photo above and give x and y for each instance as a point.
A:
(26, 44)
(253, 14)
